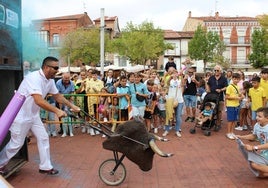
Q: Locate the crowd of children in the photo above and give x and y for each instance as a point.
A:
(134, 95)
(243, 100)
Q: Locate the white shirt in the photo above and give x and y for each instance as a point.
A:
(175, 87)
(34, 83)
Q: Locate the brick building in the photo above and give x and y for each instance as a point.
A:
(234, 31)
(53, 30)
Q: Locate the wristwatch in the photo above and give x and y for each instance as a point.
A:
(255, 148)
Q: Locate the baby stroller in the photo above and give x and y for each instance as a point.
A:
(212, 98)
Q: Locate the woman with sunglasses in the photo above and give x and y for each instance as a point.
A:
(217, 83)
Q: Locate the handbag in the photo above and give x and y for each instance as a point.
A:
(139, 97)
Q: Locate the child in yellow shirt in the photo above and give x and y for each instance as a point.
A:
(257, 97)
(232, 103)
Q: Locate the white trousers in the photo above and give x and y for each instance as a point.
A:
(19, 130)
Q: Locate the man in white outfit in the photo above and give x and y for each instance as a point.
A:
(35, 88)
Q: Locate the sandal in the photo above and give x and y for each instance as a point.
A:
(49, 172)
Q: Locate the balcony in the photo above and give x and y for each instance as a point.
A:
(238, 44)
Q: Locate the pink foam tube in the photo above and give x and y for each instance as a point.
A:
(10, 113)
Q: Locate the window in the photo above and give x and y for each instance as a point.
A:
(172, 52)
(55, 39)
(122, 61)
(241, 40)
(42, 37)
(227, 53)
(226, 40)
(241, 55)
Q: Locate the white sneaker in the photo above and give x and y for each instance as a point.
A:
(71, 134)
(230, 136)
(105, 119)
(91, 132)
(83, 130)
(88, 130)
(103, 136)
(235, 137)
(63, 135)
(155, 130)
(54, 134)
(239, 128)
(165, 133)
(178, 134)
(96, 131)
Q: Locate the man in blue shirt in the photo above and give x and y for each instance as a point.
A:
(65, 86)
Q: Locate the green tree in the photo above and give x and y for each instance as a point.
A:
(264, 23)
(82, 44)
(219, 58)
(205, 46)
(140, 43)
(259, 45)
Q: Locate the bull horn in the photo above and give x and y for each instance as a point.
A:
(157, 150)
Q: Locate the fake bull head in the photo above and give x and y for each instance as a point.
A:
(133, 140)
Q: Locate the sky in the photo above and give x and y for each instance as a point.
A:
(169, 14)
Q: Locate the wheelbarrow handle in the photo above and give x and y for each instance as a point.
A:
(89, 124)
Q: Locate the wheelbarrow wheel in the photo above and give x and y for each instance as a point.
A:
(110, 177)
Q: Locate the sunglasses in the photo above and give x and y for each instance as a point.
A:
(217, 70)
(55, 68)
(190, 72)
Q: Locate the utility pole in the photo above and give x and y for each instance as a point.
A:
(102, 27)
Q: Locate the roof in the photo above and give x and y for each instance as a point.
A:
(192, 22)
(68, 17)
(225, 19)
(107, 18)
(170, 34)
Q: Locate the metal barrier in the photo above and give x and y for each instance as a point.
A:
(93, 101)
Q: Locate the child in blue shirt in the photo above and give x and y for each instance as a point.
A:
(257, 155)
(122, 92)
(206, 114)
